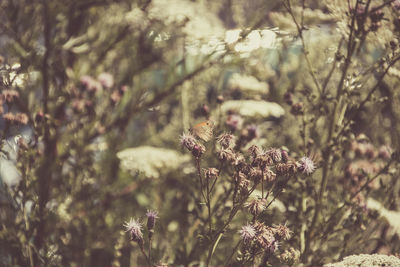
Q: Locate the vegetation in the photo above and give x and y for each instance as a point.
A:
(198, 133)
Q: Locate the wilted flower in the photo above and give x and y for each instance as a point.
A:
(290, 256)
(247, 233)
(151, 218)
(282, 232)
(238, 161)
(307, 166)
(198, 150)
(188, 141)
(284, 156)
(254, 151)
(226, 140)
(243, 184)
(275, 154)
(256, 206)
(265, 237)
(256, 175)
(211, 173)
(286, 169)
(269, 175)
(134, 228)
(226, 154)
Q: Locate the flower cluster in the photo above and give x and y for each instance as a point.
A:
(363, 160)
(258, 236)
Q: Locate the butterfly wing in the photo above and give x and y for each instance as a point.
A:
(203, 130)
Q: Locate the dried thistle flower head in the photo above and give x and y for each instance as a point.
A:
(226, 154)
(226, 140)
(275, 154)
(290, 256)
(243, 184)
(238, 161)
(269, 176)
(263, 160)
(254, 151)
(306, 166)
(151, 219)
(247, 233)
(284, 156)
(255, 175)
(282, 232)
(256, 206)
(134, 227)
(198, 150)
(188, 141)
(211, 173)
(265, 237)
(286, 169)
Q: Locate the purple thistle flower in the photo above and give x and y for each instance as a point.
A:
(151, 218)
(134, 227)
(247, 233)
(307, 166)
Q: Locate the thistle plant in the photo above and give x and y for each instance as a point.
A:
(260, 133)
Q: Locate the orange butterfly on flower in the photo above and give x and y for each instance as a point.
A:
(203, 130)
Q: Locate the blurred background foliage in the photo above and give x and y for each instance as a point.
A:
(95, 95)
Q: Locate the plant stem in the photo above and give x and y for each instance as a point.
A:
(233, 253)
(144, 254)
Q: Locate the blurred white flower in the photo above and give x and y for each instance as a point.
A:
(199, 22)
(374, 260)
(392, 217)
(254, 108)
(151, 161)
(247, 83)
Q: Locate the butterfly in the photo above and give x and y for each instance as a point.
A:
(203, 130)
